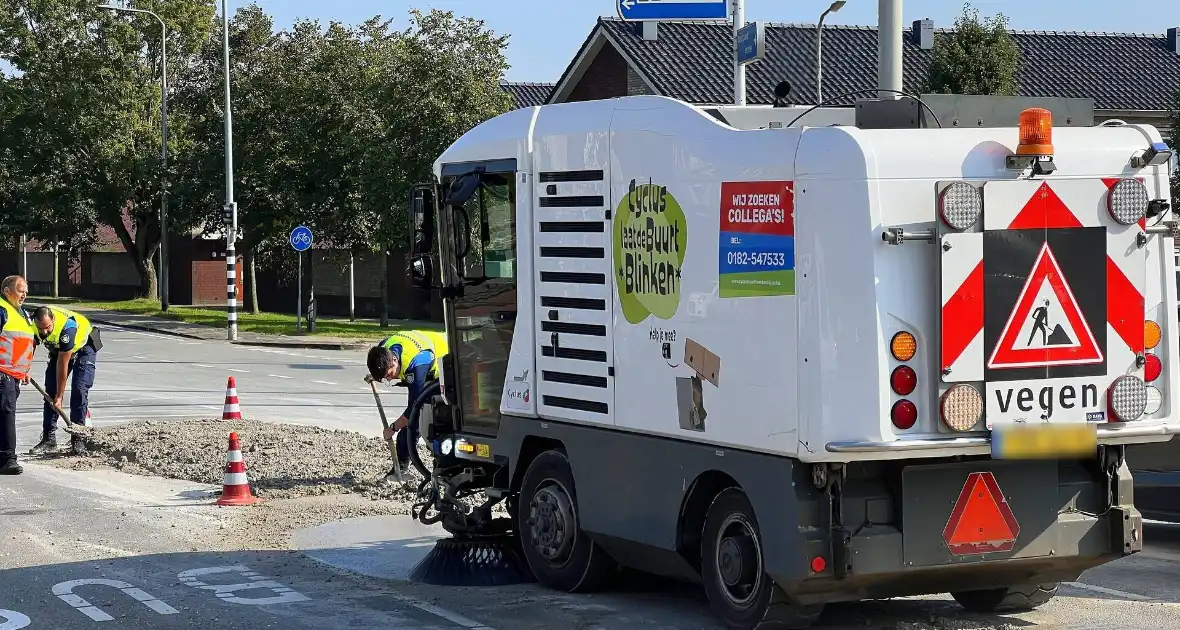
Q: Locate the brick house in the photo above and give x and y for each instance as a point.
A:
(1130, 77)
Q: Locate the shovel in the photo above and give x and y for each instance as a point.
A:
(66, 426)
(397, 469)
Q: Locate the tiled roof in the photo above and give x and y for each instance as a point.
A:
(692, 61)
(528, 94)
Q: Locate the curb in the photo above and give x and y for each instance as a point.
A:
(142, 328)
(305, 345)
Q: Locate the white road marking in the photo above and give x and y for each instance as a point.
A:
(201, 365)
(325, 382)
(138, 332)
(225, 592)
(443, 613)
(65, 592)
(238, 370)
(13, 620)
(277, 376)
(1111, 591)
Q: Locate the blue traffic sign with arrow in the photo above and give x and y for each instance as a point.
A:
(673, 9)
(301, 238)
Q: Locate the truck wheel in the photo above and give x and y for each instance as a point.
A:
(1013, 598)
(560, 554)
(737, 586)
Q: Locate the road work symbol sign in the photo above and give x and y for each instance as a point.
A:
(1045, 303)
(1046, 327)
(982, 521)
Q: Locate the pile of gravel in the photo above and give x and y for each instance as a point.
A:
(283, 461)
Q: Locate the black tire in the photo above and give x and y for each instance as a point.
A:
(559, 553)
(1012, 599)
(739, 591)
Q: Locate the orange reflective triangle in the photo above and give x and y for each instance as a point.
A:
(982, 521)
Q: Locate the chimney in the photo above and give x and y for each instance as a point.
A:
(923, 34)
(650, 30)
(1174, 40)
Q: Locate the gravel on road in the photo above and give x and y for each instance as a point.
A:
(304, 475)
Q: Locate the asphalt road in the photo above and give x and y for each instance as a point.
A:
(162, 537)
(148, 376)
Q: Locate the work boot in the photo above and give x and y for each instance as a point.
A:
(48, 443)
(77, 447)
(9, 465)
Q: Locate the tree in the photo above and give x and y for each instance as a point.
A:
(1172, 129)
(87, 135)
(977, 57)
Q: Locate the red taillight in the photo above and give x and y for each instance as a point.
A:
(903, 380)
(904, 414)
(818, 564)
(1152, 368)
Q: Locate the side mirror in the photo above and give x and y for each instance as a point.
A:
(421, 271)
(421, 219)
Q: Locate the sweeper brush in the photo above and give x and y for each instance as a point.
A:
(462, 561)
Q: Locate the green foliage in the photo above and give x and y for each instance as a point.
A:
(331, 125)
(1172, 130)
(978, 57)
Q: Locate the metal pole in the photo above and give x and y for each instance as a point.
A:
(739, 70)
(164, 156)
(24, 256)
(56, 270)
(819, 50)
(889, 48)
(231, 261)
(351, 287)
(299, 295)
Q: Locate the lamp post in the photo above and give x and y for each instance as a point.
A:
(819, 51)
(163, 280)
(231, 209)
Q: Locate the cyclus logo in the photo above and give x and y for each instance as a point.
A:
(650, 237)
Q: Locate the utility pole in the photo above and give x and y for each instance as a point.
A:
(739, 69)
(231, 228)
(889, 48)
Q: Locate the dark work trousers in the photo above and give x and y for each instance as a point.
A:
(9, 392)
(407, 438)
(82, 368)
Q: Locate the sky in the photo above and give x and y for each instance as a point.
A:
(545, 35)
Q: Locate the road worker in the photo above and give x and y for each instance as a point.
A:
(17, 339)
(413, 357)
(73, 345)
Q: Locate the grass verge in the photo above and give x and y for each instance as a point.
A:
(265, 323)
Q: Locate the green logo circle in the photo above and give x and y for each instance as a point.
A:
(650, 237)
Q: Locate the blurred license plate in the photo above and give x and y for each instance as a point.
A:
(1044, 441)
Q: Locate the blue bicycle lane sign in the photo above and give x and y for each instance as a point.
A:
(301, 238)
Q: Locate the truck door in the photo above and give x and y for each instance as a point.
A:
(480, 237)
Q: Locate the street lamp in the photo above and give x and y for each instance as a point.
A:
(231, 208)
(819, 51)
(163, 280)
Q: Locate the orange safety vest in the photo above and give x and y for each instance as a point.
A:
(16, 342)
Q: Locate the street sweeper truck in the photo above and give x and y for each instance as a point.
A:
(799, 357)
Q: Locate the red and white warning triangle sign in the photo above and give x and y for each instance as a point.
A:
(1046, 327)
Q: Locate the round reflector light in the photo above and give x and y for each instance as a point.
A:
(818, 564)
(960, 205)
(1151, 334)
(903, 380)
(1152, 368)
(1127, 201)
(961, 407)
(1128, 398)
(904, 414)
(1155, 400)
(903, 346)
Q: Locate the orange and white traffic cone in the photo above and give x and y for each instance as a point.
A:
(231, 411)
(235, 486)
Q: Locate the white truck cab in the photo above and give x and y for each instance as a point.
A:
(884, 353)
